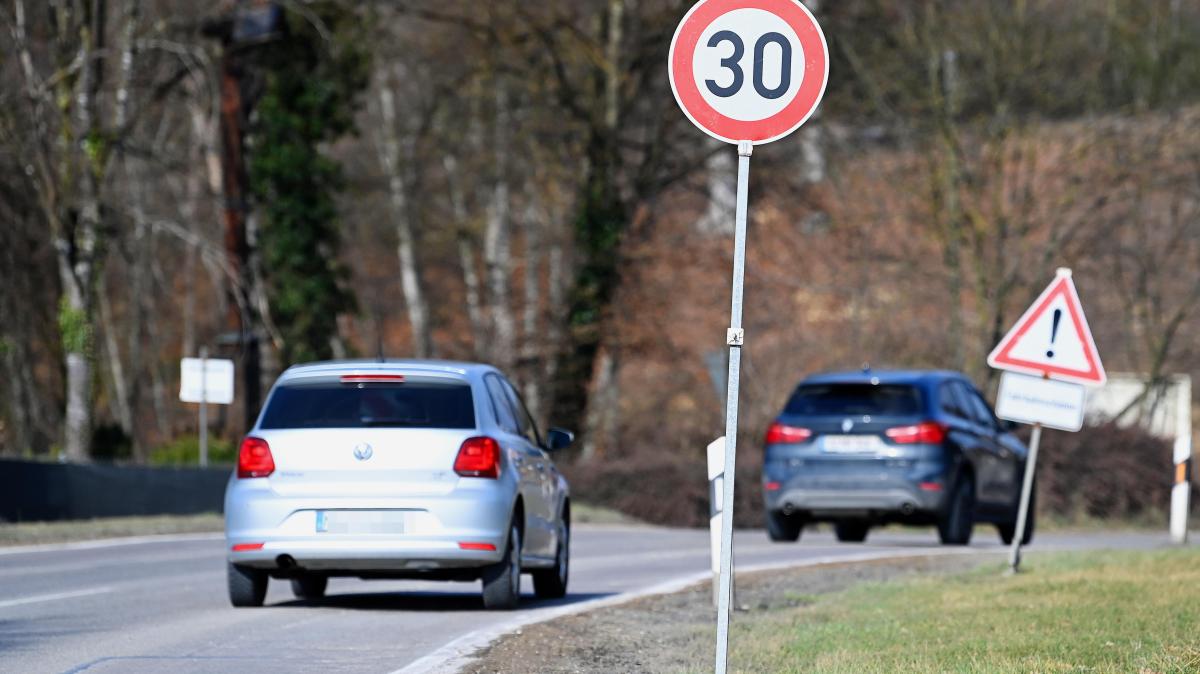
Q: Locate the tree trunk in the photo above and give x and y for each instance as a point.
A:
(601, 221)
(497, 248)
(410, 281)
(532, 344)
(465, 240)
(119, 384)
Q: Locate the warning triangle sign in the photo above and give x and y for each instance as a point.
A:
(1052, 339)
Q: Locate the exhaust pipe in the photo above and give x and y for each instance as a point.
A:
(908, 509)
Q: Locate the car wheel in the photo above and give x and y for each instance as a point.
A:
(502, 580)
(310, 586)
(247, 586)
(956, 525)
(1008, 530)
(851, 532)
(552, 583)
(783, 528)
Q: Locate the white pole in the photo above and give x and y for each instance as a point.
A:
(204, 407)
(735, 338)
(1014, 555)
(1181, 493)
(716, 463)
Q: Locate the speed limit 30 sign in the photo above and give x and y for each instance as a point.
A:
(746, 72)
(749, 70)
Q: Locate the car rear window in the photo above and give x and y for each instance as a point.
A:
(408, 405)
(882, 400)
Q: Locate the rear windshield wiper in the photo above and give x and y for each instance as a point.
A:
(391, 423)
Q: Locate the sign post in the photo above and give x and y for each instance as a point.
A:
(746, 72)
(203, 380)
(1052, 339)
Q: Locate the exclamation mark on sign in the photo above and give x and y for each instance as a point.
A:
(1054, 332)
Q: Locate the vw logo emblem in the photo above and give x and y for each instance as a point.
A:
(363, 452)
(847, 425)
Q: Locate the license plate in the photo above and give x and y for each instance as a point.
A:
(851, 444)
(361, 521)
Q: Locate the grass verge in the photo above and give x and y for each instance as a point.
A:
(1078, 612)
(35, 533)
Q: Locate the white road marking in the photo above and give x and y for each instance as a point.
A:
(110, 543)
(57, 596)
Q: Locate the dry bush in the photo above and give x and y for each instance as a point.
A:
(1105, 472)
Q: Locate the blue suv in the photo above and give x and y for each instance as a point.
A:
(863, 449)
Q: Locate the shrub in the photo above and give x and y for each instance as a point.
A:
(185, 451)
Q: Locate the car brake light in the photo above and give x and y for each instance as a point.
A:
(248, 547)
(372, 379)
(925, 433)
(254, 458)
(782, 434)
(478, 457)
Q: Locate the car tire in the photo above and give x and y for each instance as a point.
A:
(851, 532)
(502, 580)
(552, 583)
(1008, 530)
(310, 586)
(247, 586)
(783, 528)
(958, 522)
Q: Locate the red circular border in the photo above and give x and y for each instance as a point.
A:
(683, 80)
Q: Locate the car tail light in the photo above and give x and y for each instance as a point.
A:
(772, 486)
(248, 547)
(478, 457)
(782, 434)
(254, 458)
(925, 433)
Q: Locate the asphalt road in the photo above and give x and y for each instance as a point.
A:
(161, 606)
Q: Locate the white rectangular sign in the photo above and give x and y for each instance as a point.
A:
(1033, 400)
(209, 380)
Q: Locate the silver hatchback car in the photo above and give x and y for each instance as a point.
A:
(399, 469)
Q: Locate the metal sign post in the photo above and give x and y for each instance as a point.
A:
(735, 338)
(204, 407)
(1014, 554)
(746, 72)
(203, 381)
(1052, 339)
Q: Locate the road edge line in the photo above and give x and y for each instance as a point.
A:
(110, 543)
(456, 654)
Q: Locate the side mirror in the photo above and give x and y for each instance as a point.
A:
(558, 438)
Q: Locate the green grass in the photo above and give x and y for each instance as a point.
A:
(1070, 612)
(34, 533)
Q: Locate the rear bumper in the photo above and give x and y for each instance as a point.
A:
(908, 483)
(266, 526)
(873, 503)
(365, 554)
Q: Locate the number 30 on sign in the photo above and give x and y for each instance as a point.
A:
(749, 70)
